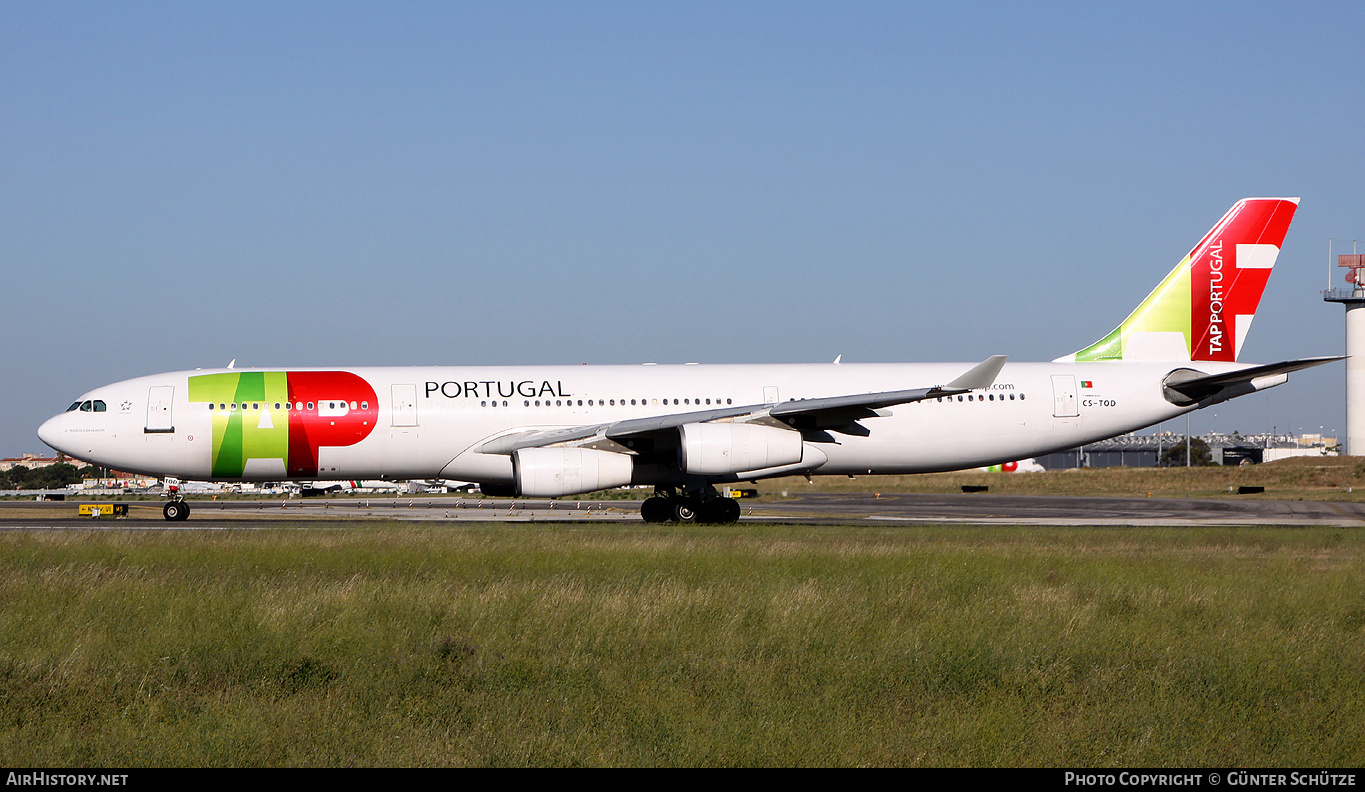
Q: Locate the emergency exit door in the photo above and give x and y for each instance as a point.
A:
(159, 401)
(404, 405)
(1064, 396)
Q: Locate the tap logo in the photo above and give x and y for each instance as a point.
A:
(1211, 296)
(282, 418)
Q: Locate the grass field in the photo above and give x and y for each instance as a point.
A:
(516, 645)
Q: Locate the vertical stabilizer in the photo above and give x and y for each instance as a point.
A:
(1203, 308)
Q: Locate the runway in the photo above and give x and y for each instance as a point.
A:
(842, 509)
(1053, 510)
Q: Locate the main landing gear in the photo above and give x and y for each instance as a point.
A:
(701, 506)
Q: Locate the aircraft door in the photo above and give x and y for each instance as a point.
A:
(1064, 396)
(405, 405)
(159, 401)
(770, 394)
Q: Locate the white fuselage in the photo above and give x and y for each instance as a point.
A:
(408, 423)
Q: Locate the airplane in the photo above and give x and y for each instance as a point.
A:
(550, 431)
(331, 487)
(1018, 466)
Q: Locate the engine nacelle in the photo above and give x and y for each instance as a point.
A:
(710, 449)
(550, 472)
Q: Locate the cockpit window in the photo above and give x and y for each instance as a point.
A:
(88, 406)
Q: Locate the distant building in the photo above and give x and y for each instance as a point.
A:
(1145, 450)
(1098, 458)
(32, 461)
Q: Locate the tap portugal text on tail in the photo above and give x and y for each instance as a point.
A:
(547, 431)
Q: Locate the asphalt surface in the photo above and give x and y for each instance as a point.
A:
(978, 508)
(1050, 510)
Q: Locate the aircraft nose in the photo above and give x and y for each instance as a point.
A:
(51, 432)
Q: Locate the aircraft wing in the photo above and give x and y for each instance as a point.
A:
(1187, 386)
(838, 413)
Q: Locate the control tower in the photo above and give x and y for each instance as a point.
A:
(1353, 297)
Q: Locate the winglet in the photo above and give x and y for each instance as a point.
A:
(982, 375)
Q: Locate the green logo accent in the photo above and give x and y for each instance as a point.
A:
(1166, 309)
(255, 429)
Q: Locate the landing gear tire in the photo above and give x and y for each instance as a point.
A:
(685, 511)
(656, 510)
(176, 511)
(720, 511)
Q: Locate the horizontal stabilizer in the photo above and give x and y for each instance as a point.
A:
(1187, 386)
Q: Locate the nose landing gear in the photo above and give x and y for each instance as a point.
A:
(177, 508)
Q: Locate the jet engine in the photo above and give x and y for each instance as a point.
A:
(710, 449)
(550, 472)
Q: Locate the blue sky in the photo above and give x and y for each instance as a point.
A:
(318, 184)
